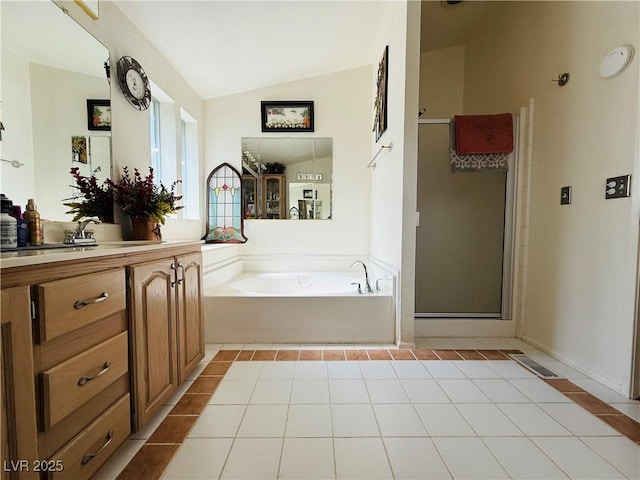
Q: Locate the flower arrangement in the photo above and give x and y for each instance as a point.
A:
(140, 197)
(98, 198)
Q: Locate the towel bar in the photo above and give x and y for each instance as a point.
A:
(372, 163)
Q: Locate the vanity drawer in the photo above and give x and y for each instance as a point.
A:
(71, 303)
(88, 451)
(70, 384)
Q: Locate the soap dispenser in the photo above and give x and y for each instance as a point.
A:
(32, 217)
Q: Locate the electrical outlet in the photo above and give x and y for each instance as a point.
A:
(565, 195)
(618, 187)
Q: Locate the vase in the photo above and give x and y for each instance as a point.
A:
(144, 228)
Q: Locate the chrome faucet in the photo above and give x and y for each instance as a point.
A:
(366, 275)
(80, 233)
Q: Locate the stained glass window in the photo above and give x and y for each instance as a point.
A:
(224, 219)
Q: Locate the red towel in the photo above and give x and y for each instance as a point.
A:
(484, 133)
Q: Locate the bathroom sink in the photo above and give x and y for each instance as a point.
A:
(49, 246)
(131, 243)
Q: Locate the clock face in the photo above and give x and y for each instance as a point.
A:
(134, 83)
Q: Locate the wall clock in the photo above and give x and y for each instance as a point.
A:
(134, 83)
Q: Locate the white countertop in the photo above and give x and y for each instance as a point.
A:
(36, 257)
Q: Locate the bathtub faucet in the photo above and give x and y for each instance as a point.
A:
(366, 275)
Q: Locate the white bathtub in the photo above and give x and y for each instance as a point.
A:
(295, 284)
(310, 307)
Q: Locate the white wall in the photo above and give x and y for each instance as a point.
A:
(580, 286)
(393, 184)
(17, 141)
(342, 105)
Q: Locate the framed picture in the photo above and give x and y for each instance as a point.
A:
(79, 149)
(380, 104)
(291, 116)
(98, 114)
(307, 193)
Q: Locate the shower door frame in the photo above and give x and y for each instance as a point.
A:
(508, 244)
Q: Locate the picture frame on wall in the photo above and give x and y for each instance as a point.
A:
(287, 116)
(380, 103)
(98, 114)
(80, 149)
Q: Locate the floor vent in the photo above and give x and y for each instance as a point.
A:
(534, 366)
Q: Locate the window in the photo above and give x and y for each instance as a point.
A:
(190, 166)
(154, 119)
(171, 160)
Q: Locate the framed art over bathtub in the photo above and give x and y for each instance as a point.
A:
(287, 116)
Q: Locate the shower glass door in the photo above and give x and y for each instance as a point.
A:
(459, 251)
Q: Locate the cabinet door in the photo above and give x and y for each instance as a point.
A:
(249, 197)
(190, 313)
(17, 394)
(274, 196)
(153, 333)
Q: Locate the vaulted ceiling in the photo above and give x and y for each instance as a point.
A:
(224, 47)
(221, 47)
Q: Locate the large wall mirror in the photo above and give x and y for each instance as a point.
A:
(287, 178)
(51, 66)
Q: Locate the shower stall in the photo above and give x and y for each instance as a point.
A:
(464, 245)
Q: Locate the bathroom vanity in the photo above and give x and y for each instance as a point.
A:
(94, 340)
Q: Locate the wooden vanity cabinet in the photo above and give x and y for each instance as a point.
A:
(91, 348)
(81, 367)
(167, 328)
(17, 395)
(190, 314)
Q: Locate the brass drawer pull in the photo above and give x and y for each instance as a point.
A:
(85, 380)
(89, 456)
(99, 299)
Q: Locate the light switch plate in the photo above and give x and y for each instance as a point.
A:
(618, 187)
(565, 195)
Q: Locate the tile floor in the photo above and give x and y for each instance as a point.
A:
(299, 412)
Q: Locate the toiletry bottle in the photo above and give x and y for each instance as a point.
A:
(32, 217)
(8, 224)
(23, 232)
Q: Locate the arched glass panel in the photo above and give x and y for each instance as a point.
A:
(224, 206)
